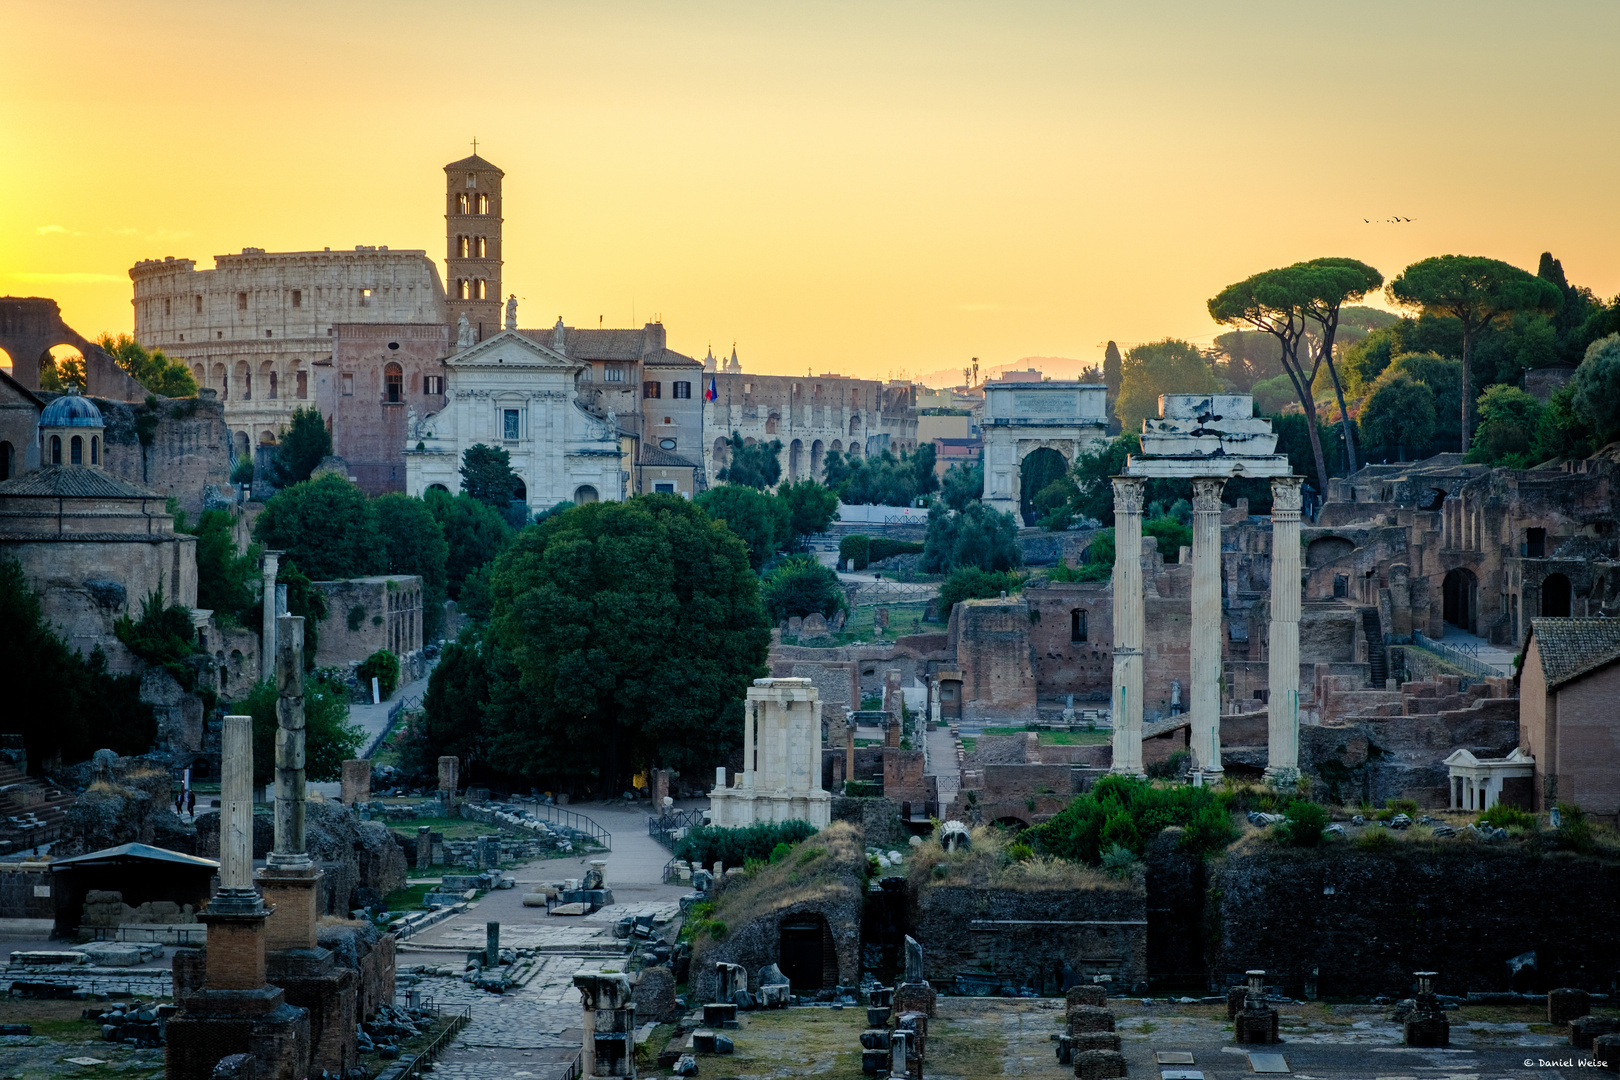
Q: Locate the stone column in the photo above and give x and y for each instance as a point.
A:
(1206, 624)
(289, 850)
(749, 719)
(236, 812)
(1282, 745)
(1128, 625)
(267, 637)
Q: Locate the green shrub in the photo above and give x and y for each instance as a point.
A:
(1130, 812)
(163, 636)
(799, 585)
(856, 550)
(1375, 840)
(1167, 769)
(1574, 831)
(717, 930)
(242, 471)
(709, 844)
(383, 666)
(882, 547)
(1503, 816)
(971, 583)
(1021, 852)
(780, 852)
(357, 615)
(810, 855)
(1409, 807)
(1119, 861)
(1305, 823)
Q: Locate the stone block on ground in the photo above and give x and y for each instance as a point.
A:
(1584, 1030)
(1428, 1031)
(1099, 1064)
(1094, 1040)
(1256, 1027)
(1236, 998)
(1086, 994)
(1566, 1004)
(1606, 1048)
(915, 997)
(1082, 1018)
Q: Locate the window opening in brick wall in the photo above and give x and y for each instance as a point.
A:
(394, 382)
(365, 297)
(78, 450)
(1077, 625)
(433, 384)
(682, 390)
(348, 384)
(651, 389)
(483, 204)
(95, 450)
(483, 247)
(56, 449)
(462, 249)
(241, 301)
(298, 298)
(461, 204)
(483, 287)
(613, 374)
(302, 380)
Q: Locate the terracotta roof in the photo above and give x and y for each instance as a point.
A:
(671, 358)
(605, 344)
(652, 455)
(1571, 648)
(74, 482)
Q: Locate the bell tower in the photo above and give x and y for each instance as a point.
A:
(472, 233)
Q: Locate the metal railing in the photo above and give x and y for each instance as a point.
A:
(569, 819)
(458, 1020)
(1464, 655)
(662, 828)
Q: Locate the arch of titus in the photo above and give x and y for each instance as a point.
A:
(781, 774)
(1020, 418)
(1208, 439)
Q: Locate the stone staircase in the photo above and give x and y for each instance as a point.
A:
(1377, 657)
(32, 811)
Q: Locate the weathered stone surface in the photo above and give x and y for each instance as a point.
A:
(655, 995)
(1082, 1018)
(1585, 1030)
(1567, 1003)
(1085, 994)
(1099, 1064)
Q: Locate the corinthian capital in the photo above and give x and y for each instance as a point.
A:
(1207, 494)
(1128, 494)
(1285, 493)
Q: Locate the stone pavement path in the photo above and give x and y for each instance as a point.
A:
(533, 1033)
(942, 762)
(373, 719)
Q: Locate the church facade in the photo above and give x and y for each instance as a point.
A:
(519, 394)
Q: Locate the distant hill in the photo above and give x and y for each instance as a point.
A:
(1055, 367)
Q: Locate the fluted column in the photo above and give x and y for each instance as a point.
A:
(749, 719)
(1282, 753)
(1128, 625)
(1206, 624)
(289, 853)
(267, 636)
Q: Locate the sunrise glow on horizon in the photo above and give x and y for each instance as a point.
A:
(872, 189)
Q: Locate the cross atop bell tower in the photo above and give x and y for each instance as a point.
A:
(472, 232)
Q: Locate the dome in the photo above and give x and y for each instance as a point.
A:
(71, 410)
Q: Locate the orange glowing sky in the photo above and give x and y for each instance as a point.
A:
(867, 187)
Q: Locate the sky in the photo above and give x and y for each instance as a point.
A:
(874, 188)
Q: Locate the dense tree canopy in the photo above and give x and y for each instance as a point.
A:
(760, 520)
(636, 628)
(152, 369)
(1508, 421)
(1163, 367)
(413, 543)
(227, 579)
(975, 536)
(486, 475)
(812, 508)
(1597, 388)
(1477, 292)
(798, 586)
(752, 464)
(329, 737)
(972, 583)
(66, 707)
(963, 483)
(303, 444)
(474, 534)
(326, 525)
(1398, 416)
(884, 479)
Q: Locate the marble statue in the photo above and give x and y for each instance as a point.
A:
(464, 334)
(511, 312)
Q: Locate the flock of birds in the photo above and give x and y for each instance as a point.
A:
(1396, 220)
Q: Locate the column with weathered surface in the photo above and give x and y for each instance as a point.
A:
(1129, 619)
(236, 815)
(290, 879)
(749, 719)
(1206, 624)
(267, 637)
(1282, 754)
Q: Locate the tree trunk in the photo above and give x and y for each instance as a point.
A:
(1344, 421)
(1316, 445)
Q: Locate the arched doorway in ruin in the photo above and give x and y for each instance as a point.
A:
(806, 952)
(1460, 599)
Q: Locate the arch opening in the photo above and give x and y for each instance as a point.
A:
(1459, 599)
(583, 494)
(806, 953)
(1041, 467)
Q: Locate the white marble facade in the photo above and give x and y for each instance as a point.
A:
(1020, 418)
(781, 775)
(512, 392)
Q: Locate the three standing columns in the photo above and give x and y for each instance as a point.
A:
(1282, 756)
(1129, 620)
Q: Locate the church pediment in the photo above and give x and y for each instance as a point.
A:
(510, 349)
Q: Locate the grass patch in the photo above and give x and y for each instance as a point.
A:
(789, 1042)
(407, 899)
(903, 619)
(451, 828)
(955, 1050)
(1055, 738)
(990, 861)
